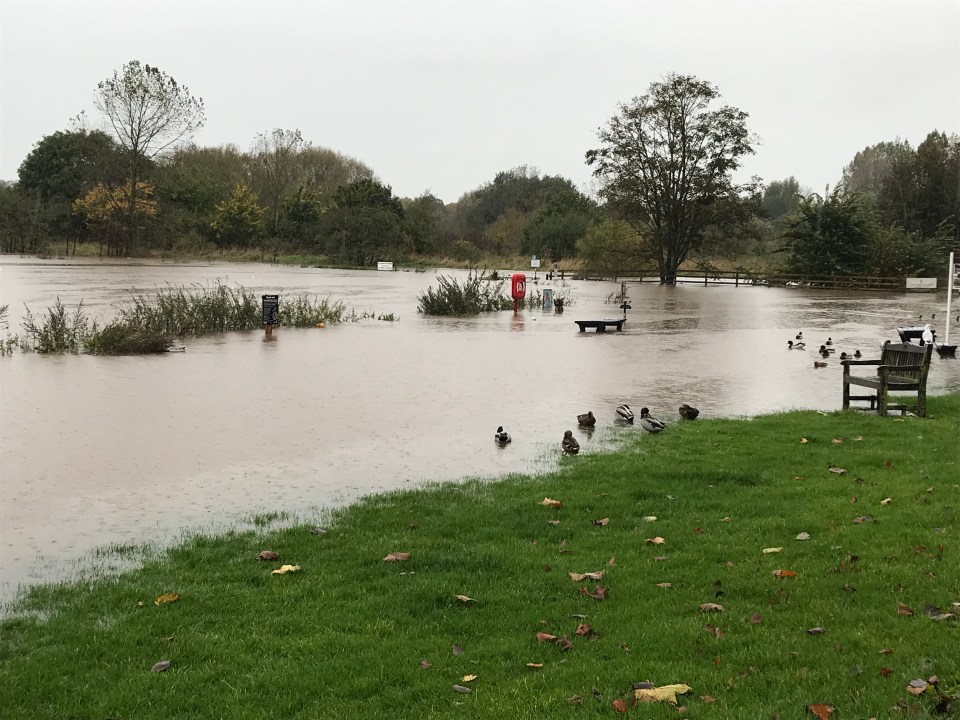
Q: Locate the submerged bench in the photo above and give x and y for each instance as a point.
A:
(902, 367)
(599, 325)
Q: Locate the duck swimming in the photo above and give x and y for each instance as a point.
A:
(501, 437)
(688, 413)
(586, 419)
(817, 364)
(825, 349)
(829, 341)
(625, 413)
(843, 356)
(799, 336)
(791, 345)
(569, 443)
(857, 354)
(650, 423)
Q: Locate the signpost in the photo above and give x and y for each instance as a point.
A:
(270, 305)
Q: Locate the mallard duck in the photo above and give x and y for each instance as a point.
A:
(587, 419)
(650, 423)
(569, 443)
(817, 364)
(688, 413)
(825, 349)
(501, 436)
(843, 356)
(824, 352)
(857, 354)
(625, 413)
(791, 345)
(829, 341)
(799, 336)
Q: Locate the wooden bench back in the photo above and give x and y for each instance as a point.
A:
(898, 354)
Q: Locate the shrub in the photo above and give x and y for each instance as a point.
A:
(473, 297)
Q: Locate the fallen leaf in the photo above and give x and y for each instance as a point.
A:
(599, 593)
(666, 693)
(649, 518)
(464, 598)
(284, 569)
(837, 470)
(545, 637)
(469, 678)
(457, 650)
(162, 666)
(803, 536)
(612, 561)
(756, 619)
(711, 607)
(888, 463)
(550, 502)
(620, 706)
(904, 609)
(935, 613)
(170, 597)
(318, 531)
(397, 557)
(707, 699)
(725, 519)
(858, 438)
(885, 651)
(268, 555)
(862, 519)
(917, 687)
(768, 551)
(714, 630)
(798, 477)
(659, 558)
(886, 501)
(837, 440)
(534, 665)
(821, 711)
(425, 665)
(575, 700)
(580, 577)
(816, 631)
(698, 531)
(885, 671)
(656, 540)
(803, 441)
(664, 585)
(553, 522)
(783, 573)
(602, 521)
(461, 689)
(584, 630)
(853, 499)
(565, 643)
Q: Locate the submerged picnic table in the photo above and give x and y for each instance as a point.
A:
(600, 325)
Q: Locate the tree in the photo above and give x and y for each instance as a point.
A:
(64, 165)
(238, 218)
(612, 246)
(277, 168)
(830, 235)
(149, 113)
(665, 158)
(780, 197)
(366, 224)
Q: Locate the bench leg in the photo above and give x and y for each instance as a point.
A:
(881, 402)
(601, 328)
(922, 402)
(846, 396)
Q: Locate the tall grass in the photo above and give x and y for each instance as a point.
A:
(474, 296)
(57, 331)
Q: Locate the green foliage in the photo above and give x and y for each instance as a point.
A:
(120, 337)
(721, 490)
(303, 311)
(829, 236)
(63, 166)
(665, 159)
(475, 295)
(238, 219)
(780, 197)
(58, 331)
(611, 246)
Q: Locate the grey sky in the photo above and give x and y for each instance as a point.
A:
(441, 95)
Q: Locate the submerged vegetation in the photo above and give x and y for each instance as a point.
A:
(475, 295)
(150, 323)
(769, 565)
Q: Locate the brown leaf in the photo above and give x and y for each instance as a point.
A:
(620, 706)
(599, 592)
(397, 557)
(862, 519)
(783, 573)
(698, 531)
(170, 597)
(799, 477)
(425, 665)
(917, 687)
(565, 643)
(457, 650)
(656, 540)
(464, 598)
(550, 502)
(268, 555)
(575, 700)
(885, 671)
(756, 619)
(714, 630)
(885, 651)
(612, 561)
(888, 463)
(837, 470)
(821, 711)
(546, 637)
(816, 631)
(580, 577)
(553, 522)
(602, 521)
(711, 607)
(904, 609)
(707, 699)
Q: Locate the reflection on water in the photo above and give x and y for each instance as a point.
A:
(133, 449)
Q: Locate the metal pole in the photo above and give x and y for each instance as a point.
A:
(950, 272)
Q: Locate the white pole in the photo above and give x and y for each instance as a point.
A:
(950, 272)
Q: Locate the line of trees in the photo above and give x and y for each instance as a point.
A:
(665, 166)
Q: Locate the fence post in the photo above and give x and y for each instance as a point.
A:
(736, 280)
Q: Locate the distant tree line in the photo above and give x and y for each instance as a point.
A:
(666, 197)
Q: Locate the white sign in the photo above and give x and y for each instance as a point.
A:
(534, 262)
(384, 266)
(921, 283)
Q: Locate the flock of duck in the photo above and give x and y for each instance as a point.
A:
(826, 350)
(589, 420)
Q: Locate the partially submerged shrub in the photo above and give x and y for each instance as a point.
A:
(120, 338)
(473, 297)
(58, 331)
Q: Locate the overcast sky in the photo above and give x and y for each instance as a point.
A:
(440, 95)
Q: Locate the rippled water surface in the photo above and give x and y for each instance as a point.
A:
(135, 449)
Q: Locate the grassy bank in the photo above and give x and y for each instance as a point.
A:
(851, 628)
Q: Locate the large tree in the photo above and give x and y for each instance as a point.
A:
(148, 113)
(665, 159)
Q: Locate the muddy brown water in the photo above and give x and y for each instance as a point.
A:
(101, 451)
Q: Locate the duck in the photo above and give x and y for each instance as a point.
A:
(818, 364)
(857, 354)
(825, 349)
(843, 356)
(650, 423)
(569, 443)
(502, 437)
(688, 413)
(586, 419)
(829, 341)
(799, 336)
(791, 345)
(824, 353)
(625, 413)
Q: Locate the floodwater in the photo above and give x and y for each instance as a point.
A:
(129, 450)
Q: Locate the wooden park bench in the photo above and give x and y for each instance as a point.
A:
(902, 368)
(600, 325)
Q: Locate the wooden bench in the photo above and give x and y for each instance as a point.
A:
(599, 325)
(902, 368)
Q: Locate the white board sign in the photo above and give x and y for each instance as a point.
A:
(384, 266)
(534, 262)
(921, 283)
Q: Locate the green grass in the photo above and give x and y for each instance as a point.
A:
(350, 630)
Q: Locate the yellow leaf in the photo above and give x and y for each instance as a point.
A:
(768, 551)
(664, 585)
(803, 441)
(534, 665)
(550, 502)
(886, 501)
(656, 540)
(783, 573)
(580, 577)
(167, 598)
(666, 693)
(649, 518)
(711, 607)
(286, 569)
(469, 678)
(463, 598)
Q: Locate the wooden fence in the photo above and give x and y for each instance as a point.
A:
(754, 279)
